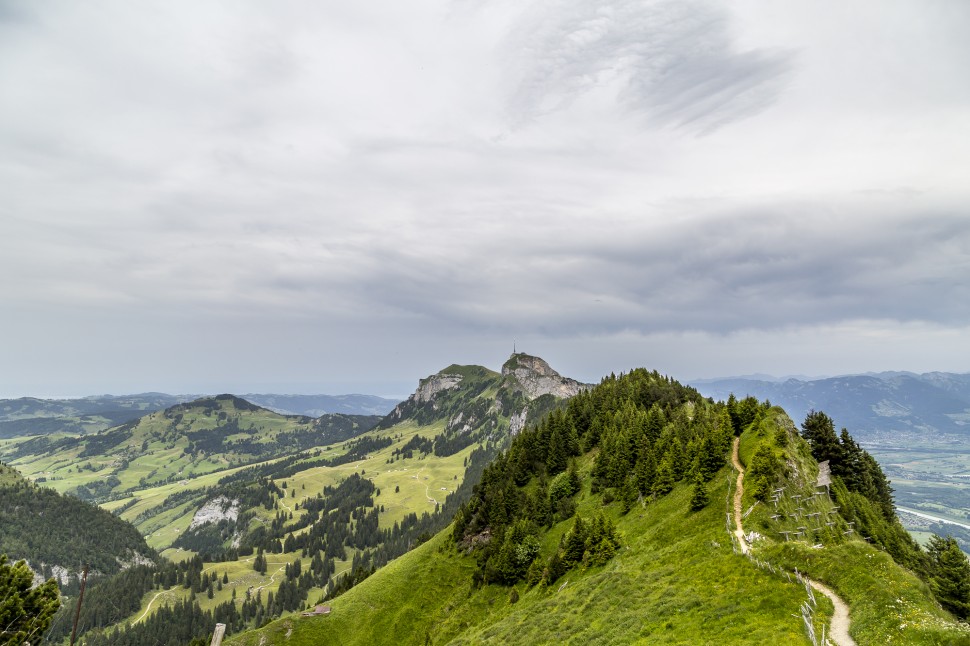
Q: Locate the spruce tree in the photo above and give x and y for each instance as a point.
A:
(819, 430)
(950, 572)
(663, 482)
(699, 498)
(25, 612)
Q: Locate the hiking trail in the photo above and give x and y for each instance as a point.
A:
(839, 626)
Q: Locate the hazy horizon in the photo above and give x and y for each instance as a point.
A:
(296, 389)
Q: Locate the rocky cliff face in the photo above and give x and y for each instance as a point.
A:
(537, 377)
(518, 422)
(434, 384)
(219, 508)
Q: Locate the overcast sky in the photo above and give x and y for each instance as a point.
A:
(348, 196)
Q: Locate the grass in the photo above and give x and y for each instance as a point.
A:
(675, 581)
(419, 478)
(888, 604)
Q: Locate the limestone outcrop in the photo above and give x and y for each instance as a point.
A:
(537, 377)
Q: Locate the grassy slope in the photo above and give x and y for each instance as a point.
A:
(888, 604)
(406, 486)
(418, 479)
(675, 581)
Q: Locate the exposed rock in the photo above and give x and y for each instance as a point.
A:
(537, 378)
(517, 422)
(434, 384)
(456, 423)
(59, 573)
(134, 558)
(219, 508)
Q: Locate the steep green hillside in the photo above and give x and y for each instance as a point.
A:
(606, 524)
(915, 425)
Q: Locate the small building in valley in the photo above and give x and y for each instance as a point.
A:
(319, 610)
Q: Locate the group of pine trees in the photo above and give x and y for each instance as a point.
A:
(861, 490)
(650, 431)
(43, 526)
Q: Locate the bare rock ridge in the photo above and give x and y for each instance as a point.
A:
(537, 377)
(434, 384)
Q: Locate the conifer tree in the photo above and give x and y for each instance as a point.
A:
(629, 494)
(819, 430)
(25, 612)
(950, 572)
(663, 481)
(699, 498)
(575, 543)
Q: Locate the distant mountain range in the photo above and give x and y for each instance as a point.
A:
(868, 405)
(317, 405)
(33, 416)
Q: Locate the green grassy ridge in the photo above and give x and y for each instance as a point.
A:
(158, 448)
(408, 485)
(676, 580)
(469, 371)
(888, 603)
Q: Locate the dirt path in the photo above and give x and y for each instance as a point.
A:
(427, 489)
(144, 614)
(839, 627)
(272, 578)
(738, 493)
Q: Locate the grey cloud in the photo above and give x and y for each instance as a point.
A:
(674, 61)
(719, 275)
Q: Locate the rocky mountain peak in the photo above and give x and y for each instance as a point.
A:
(522, 363)
(537, 377)
(434, 384)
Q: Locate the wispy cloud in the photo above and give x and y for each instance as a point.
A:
(672, 63)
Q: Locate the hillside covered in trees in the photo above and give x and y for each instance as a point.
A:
(605, 522)
(51, 531)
